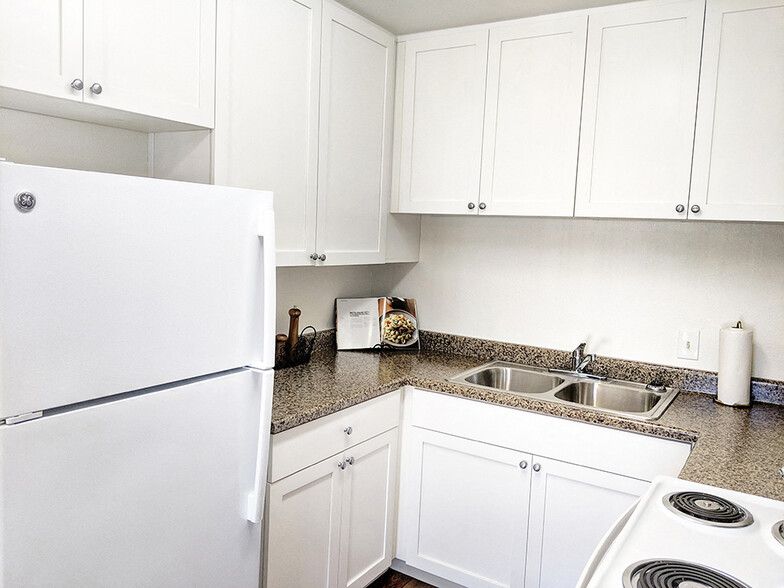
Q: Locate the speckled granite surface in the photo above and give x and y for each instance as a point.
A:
(734, 448)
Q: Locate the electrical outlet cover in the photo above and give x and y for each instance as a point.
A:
(688, 344)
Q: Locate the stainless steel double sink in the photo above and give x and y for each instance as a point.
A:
(612, 396)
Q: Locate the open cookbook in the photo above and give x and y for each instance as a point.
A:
(367, 323)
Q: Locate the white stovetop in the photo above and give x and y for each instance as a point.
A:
(750, 554)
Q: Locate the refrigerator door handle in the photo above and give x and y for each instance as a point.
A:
(255, 504)
(266, 232)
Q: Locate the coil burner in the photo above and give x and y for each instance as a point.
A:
(778, 531)
(672, 573)
(708, 509)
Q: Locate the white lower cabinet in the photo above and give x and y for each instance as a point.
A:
(572, 507)
(468, 511)
(331, 523)
(488, 516)
(303, 531)
(489, 496)
(497, 497)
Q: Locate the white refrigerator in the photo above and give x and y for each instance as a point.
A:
(136, 353)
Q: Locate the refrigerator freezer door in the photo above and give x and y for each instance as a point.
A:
(117, 283)
(150, 490)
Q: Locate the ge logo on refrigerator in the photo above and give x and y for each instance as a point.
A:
(24, 201)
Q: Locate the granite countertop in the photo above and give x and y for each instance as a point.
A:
(735, 448)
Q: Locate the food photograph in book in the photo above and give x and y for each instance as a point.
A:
(372, 323)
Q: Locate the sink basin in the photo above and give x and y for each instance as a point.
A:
(620, 398)
(614, 396)
(514, 379)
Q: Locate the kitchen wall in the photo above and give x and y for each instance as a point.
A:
(56, 142)
(314, 289)
(624, 286)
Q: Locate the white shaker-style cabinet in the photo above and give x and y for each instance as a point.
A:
(441, 110)
(146, 65)
(532, 117)
(330, 516)
(303, 528)
(571, 509)
(641, 75)
(41, 47)
(267, 104)
(151, 57)
(738, 171)
(355, 138)
(304, 101)
(332, 523)
(467, 515)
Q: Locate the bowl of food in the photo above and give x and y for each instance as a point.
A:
(398, 328)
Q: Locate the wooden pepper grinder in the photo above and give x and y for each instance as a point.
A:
(291, 342)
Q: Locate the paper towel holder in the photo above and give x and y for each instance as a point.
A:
(716, 399)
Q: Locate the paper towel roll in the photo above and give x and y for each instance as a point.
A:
(735, 349)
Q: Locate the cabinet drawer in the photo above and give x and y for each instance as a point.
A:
(613, 450)
(307, 444)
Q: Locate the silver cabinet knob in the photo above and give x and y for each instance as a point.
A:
(96, 88)
(342, 465)
(537, 467)
(471, 205)
(350, 460)
(322, 257)
(482, 206)
(680, 208)
(695, 208)
(314, 256)
(77, 84)
(523, 464)
(348, 430)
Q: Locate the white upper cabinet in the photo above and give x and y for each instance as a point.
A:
(532, 117)
(267, 102)
(305, 91)
(144, 63)
(641, 75)
(151, 57)
(41, 46)
(739, 147)
(355, 138)
(441, 129)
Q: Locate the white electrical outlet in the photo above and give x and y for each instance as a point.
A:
(688, 344)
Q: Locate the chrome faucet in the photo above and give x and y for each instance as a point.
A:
(580, 360)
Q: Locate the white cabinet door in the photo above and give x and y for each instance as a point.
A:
(153, 58)
(639, 104)
(441, 131)
(572, 507)
(331, 524)
(303, 528)
(532, 117)
(41, 46)
(739, 147)
(466, 521)
(266, 125)
(357, 90)
(368, 517)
